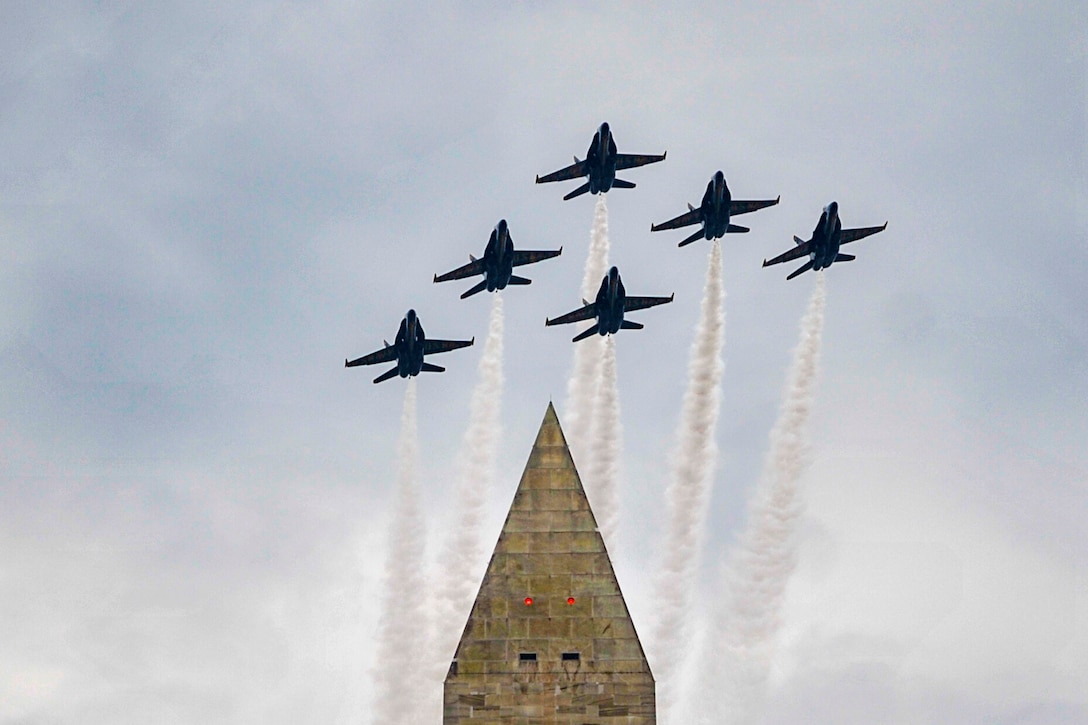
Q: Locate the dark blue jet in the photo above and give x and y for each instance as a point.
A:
(823, 248)
(601, 164)
(718, 205)
(609, 307)
(498, 262)
(408, 350)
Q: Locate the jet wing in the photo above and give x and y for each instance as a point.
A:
(630, 161)
(433, 347)
(588, 312)
(852, 235)
(471, 269)
(687, 219)
(743, 207)
(641, 303)
(575, 171)
(386, 354)
(801, 250)
(528, 256)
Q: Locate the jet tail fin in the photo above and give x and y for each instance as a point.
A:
(586, 333)
(690, 207)
(514, 279)
(473, 290)
(737, 229)
(629, 325)
(391, 372)
(429, 368)
(621, 184)
(803, 268)
(845, 257)
(577, 192)
(797, 240)
(693, 238)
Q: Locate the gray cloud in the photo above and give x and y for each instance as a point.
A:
(204, 209)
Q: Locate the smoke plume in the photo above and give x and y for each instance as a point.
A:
(581, 388)
(743, 633)
(688, 493)
(607, 447)
(462, 562)
(401, 634)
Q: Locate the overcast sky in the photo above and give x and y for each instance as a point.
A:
(206, 207)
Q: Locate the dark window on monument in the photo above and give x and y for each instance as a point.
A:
(527, 657)
(571, 657)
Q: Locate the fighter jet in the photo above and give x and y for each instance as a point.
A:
(823, 248)
(718, 205)
(609, 307)
(498, 263)
(408, 350)
(601, 164)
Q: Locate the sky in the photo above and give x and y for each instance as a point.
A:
(206, 207)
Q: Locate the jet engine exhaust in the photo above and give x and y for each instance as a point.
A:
(399, 690)
(688, 493)
(463, 562)
(743, 632)
(581, 387)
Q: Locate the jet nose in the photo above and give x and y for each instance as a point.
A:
(604, 128)
(614, 272)
(719, 177)
(411, 316)
(833, 208)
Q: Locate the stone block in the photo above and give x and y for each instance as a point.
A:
(550, 628)
(497, 628)
(535, 478)
(586, 541)
(514, 565)
(550, 500)
(550, 458)
(480, 650)
(495, 607)
(609, 606)
(519, 521)
(548, 543)
(519, 628)
(582, 521)
(595, 586)
(514, 542)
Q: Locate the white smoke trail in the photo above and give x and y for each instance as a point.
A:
(688, 493)
(743, 633)
(581, 388)
(401, 628)
(462, 562)
(607, 446)
(597, 259)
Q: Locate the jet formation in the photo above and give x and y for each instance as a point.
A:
(611, 304)
(822, 247)
(608, 309)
